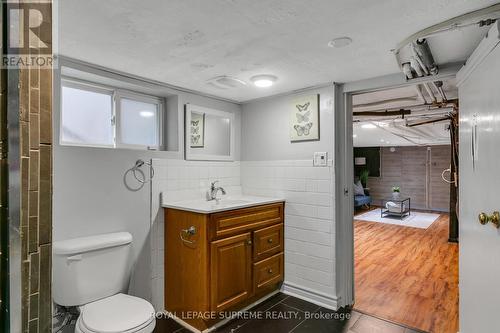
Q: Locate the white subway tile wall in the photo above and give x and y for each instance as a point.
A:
(177, 180)
(309, 217)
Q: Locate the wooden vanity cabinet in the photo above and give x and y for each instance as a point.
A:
(232, 259)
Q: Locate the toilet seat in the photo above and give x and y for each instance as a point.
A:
(117, 314)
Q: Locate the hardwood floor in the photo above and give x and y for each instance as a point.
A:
(407, 275)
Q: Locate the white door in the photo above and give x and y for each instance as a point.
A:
(479, 263)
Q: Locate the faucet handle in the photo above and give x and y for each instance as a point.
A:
(213, 184)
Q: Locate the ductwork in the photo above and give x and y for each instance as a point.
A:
(421, 61)
(407, 70)
(421, 48)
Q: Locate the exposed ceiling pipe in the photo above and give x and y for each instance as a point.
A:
(423, 107)
(419, 61)
(418, 88)
(431, 121)
(417, 114)
(386, 113)
(416, 66)
(430, 93)
(439, 87)
(407, 70)
(387, 101)
(423, 51)
(421, 69)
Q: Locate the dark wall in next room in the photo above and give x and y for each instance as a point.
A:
(417, 170)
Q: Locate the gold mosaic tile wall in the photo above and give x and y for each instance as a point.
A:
(4, 211)
(35, 103)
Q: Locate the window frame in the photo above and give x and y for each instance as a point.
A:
(91, 88)
(116, 95)
(124, 94)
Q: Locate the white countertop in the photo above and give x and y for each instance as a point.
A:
(225, 203)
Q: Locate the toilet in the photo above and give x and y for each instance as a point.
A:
(93, 274)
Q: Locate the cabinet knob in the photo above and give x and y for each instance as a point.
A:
(270, 271)
(270, 240)
(249, 242)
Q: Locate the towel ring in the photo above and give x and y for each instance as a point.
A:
(138, 164)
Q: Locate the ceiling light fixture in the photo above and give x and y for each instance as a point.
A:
(340, 42)
(263, 81)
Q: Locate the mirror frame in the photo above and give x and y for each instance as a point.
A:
(189, 154)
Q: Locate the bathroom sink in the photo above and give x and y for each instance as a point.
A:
(225, 203)
(229, 202)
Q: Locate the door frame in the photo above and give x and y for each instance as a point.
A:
(344, 172)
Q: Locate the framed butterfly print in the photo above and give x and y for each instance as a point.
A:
(197, 130)
(304, 119)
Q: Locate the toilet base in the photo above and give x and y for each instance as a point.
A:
(148, 328)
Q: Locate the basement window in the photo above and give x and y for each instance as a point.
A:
(98, 116)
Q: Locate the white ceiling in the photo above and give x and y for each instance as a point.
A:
(187, 42)
(394, 134)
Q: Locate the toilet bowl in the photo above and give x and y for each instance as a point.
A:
(117, 313)
(92, 273)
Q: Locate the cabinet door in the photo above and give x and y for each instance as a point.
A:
(231, 271)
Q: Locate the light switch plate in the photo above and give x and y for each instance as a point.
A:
(320, 159)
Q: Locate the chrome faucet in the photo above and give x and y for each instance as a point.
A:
(212, 193)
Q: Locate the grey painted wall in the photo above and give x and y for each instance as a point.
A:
(266, 131)
(90, 196)
(417, 170)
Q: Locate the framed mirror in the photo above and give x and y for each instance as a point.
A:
(209, 134)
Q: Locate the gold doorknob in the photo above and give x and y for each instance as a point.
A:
(493, 218)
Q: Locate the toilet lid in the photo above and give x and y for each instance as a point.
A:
(118, 313)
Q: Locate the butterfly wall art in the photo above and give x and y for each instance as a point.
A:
(197, 130)
(304, 119)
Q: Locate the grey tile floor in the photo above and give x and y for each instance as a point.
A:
(301, 317)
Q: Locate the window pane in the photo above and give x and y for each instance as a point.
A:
(138, 123)
(86, 117)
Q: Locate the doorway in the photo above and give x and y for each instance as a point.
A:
(368, 286)
(405, 268)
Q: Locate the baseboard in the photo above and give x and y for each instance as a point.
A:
(315, 297)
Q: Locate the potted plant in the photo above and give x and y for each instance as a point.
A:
(363, 177)
(396, 191)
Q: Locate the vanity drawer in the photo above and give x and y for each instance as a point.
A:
(241, 220)
(267, 241)
(268, 272)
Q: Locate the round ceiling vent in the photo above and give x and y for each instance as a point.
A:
(226, 82)
(340, 42)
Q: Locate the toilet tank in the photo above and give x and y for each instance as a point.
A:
(90, 268)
